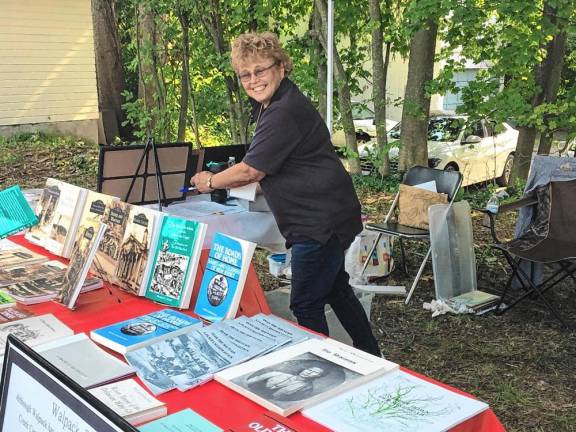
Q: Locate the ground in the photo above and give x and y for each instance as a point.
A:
(522, 363)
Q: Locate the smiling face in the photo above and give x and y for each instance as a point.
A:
(260, 77)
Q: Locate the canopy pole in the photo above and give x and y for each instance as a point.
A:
(330, 66)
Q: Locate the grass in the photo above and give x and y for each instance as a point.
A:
(522, 363)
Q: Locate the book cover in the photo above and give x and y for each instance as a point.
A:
(397, 402)
(13, 314)
(224, 277)
(474, 299)
(134, 251)
(15, 212)
(267, 421)
(128, 399)
(83, 361)
(175, 262)
(301, 375)
(34, 330)
(6, 300)
(41, 282)
(58, 211)
(143, 330)
(19, 257)
(80, 262)
(185, 420)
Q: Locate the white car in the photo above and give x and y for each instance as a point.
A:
(363, 124)
(481, 151)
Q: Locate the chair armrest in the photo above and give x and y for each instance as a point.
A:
(489, 220)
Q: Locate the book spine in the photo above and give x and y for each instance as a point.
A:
(156, 228)
(185, 300)
(74, 224)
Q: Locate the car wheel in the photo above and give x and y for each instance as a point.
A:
(450, 167)
(504, 179)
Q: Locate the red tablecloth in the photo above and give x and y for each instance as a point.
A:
(217, 403)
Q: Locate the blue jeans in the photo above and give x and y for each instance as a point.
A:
(319, 278)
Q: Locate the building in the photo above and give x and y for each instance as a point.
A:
(47, 68)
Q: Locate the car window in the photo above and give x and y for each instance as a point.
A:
(444, 128)
(474, 129)
(495, 128)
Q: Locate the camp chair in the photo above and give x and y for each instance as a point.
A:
(447, 182)
(549, 239)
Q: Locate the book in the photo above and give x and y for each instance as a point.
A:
(175, 262)
(190, 359)
(143, 330)
(474, 299)
(224, 277)
(34, 330)
(185, 420)
(397, 402)
(133, 262)
(58, 211)
(19, 257)
(267, 421)
(15, 212)
(6, 300)
(92, 214)
(80, 262)
(304, 374)
(13, 314)
(128, 399)
(83, 361)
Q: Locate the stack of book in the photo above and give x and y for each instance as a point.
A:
(476, 300)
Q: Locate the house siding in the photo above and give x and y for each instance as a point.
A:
(47, 62)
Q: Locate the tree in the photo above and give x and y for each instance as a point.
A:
(109, 68)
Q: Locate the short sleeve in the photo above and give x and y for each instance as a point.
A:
(275, 138)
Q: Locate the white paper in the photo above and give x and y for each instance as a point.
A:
(429, 186)
(382, 289)
(247, 192)
(197, 209)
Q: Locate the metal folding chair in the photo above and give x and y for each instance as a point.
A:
(447, 182)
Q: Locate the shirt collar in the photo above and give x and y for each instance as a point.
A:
(282, 89)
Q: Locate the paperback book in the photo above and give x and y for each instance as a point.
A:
(93, 214)
(80, 262)
(267, 421)
(19, 257)
(474, 299)
(144, 330)
(122, 257)
(224, 278)
(175, 262)
(304, 374)
(6, 300)
(128, 399)
(34, 330)
(12, 314)
(83, 361)
(185, 420)
(398, 402)
(58, 211)
(15, 212)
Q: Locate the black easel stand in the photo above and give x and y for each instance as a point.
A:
(150, 145)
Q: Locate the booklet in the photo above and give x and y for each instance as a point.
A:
(398, 402)
(15, 212)
(224, 277)
(185, 420)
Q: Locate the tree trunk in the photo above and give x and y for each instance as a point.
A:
(184, 19)
(109, 71)
(555, 51)
(344, 99)
(379, 84)
(316, 53)
(416, 108)
(149, 86)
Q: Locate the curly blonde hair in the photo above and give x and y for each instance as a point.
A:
(259, 45)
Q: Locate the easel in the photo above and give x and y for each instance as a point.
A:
(161, 193)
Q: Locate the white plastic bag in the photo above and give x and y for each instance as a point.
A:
(381, 262)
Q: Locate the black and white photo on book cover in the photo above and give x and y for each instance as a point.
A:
(297, 379)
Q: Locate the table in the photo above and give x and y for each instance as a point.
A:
(212, 400)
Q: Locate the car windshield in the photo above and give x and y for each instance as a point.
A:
(439, 129)
(445, 128)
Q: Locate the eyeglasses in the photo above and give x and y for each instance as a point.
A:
(258, 73)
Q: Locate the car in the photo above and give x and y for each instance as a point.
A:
(481, 151)
(363, 124)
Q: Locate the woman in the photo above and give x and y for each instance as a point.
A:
(309, 192)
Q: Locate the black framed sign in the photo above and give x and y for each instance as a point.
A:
(38, 397)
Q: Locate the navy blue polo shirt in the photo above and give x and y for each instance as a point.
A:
(307, 188)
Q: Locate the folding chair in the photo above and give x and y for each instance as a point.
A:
(447, 182)
(549, 239)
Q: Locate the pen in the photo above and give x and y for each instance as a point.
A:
(188, 189)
